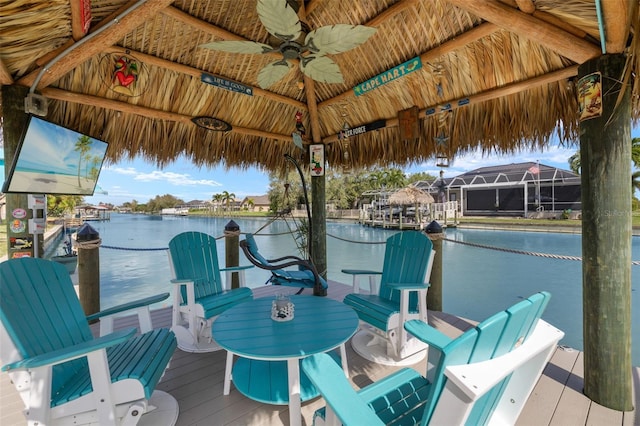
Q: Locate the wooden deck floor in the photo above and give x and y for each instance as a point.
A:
(196, 381)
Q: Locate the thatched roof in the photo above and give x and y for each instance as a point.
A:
(498, 75)
(410, 196)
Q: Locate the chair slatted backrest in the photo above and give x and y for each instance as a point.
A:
(407, 258)
(522, 319)
(493, 337)
(41, 312)
(194, 256)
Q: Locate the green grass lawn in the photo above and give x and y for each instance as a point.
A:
(635, 221)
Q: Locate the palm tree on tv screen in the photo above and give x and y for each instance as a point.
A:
(83, 145)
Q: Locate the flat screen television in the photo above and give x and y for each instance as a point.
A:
(52, 159)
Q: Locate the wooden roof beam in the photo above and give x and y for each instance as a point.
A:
(95, 45)
(527, 26)
(386, 14)
(499, 92)
(44, 59)
(208, 28)
(80, 18)
(199, 24)
(390, 12)
(527, 6)
(196, 73)
(5, 75)
(457, 42)
(154, 114)
(310, 88)
(311, 6)
(616, 15)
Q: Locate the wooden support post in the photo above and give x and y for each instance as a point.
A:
(319, 224)
(88, 241)
(18, 212)
(605, 152)
(434, 294)
(232, 250)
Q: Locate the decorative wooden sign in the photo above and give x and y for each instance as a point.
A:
(124, 74)
(80, 18)
(212, 123)
(374, 125)
(408, 123)
(316, 155)
(388, 76)
(222, 83)
(590, 96)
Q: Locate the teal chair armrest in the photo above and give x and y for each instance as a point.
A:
(236, 268)
(341, 398)
(72, 352)
(182, 281)
(241, 278)
(408, 286)
(129, 306)
(360, 272)
(140, 306)
(355, 273)
(428, 334)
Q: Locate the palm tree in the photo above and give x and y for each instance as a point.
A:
(217, 199)
(576, 167)
(574, 163)
(83, 146)
(396, 178)
(227, 197)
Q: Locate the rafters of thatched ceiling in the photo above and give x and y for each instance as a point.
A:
(498, 75)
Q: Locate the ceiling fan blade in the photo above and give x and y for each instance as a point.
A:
(321, 68)
(337, 38)
(238, 46)
(279, 19)
(272, 73)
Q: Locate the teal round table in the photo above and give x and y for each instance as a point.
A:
(268, 369)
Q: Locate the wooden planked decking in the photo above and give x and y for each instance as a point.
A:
(196, 381)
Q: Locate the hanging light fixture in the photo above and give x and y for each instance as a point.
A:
(442, 160)
(344, 140)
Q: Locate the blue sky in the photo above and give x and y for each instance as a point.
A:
(141, 180)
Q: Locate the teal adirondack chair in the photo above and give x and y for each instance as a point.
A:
(63, 374)
(306, 276)
(402, 296)
(199, 294)
(483, 376)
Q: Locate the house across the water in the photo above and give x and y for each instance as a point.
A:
(175, 211)
(524, 189)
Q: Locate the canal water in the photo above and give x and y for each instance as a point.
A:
(477, 281)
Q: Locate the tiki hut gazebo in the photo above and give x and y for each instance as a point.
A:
(411, 196)
(431, 79)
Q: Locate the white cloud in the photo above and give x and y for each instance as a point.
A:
(555, 156)
(121, 170)
(172, 178)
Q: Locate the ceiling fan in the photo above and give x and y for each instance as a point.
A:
(281, 20)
